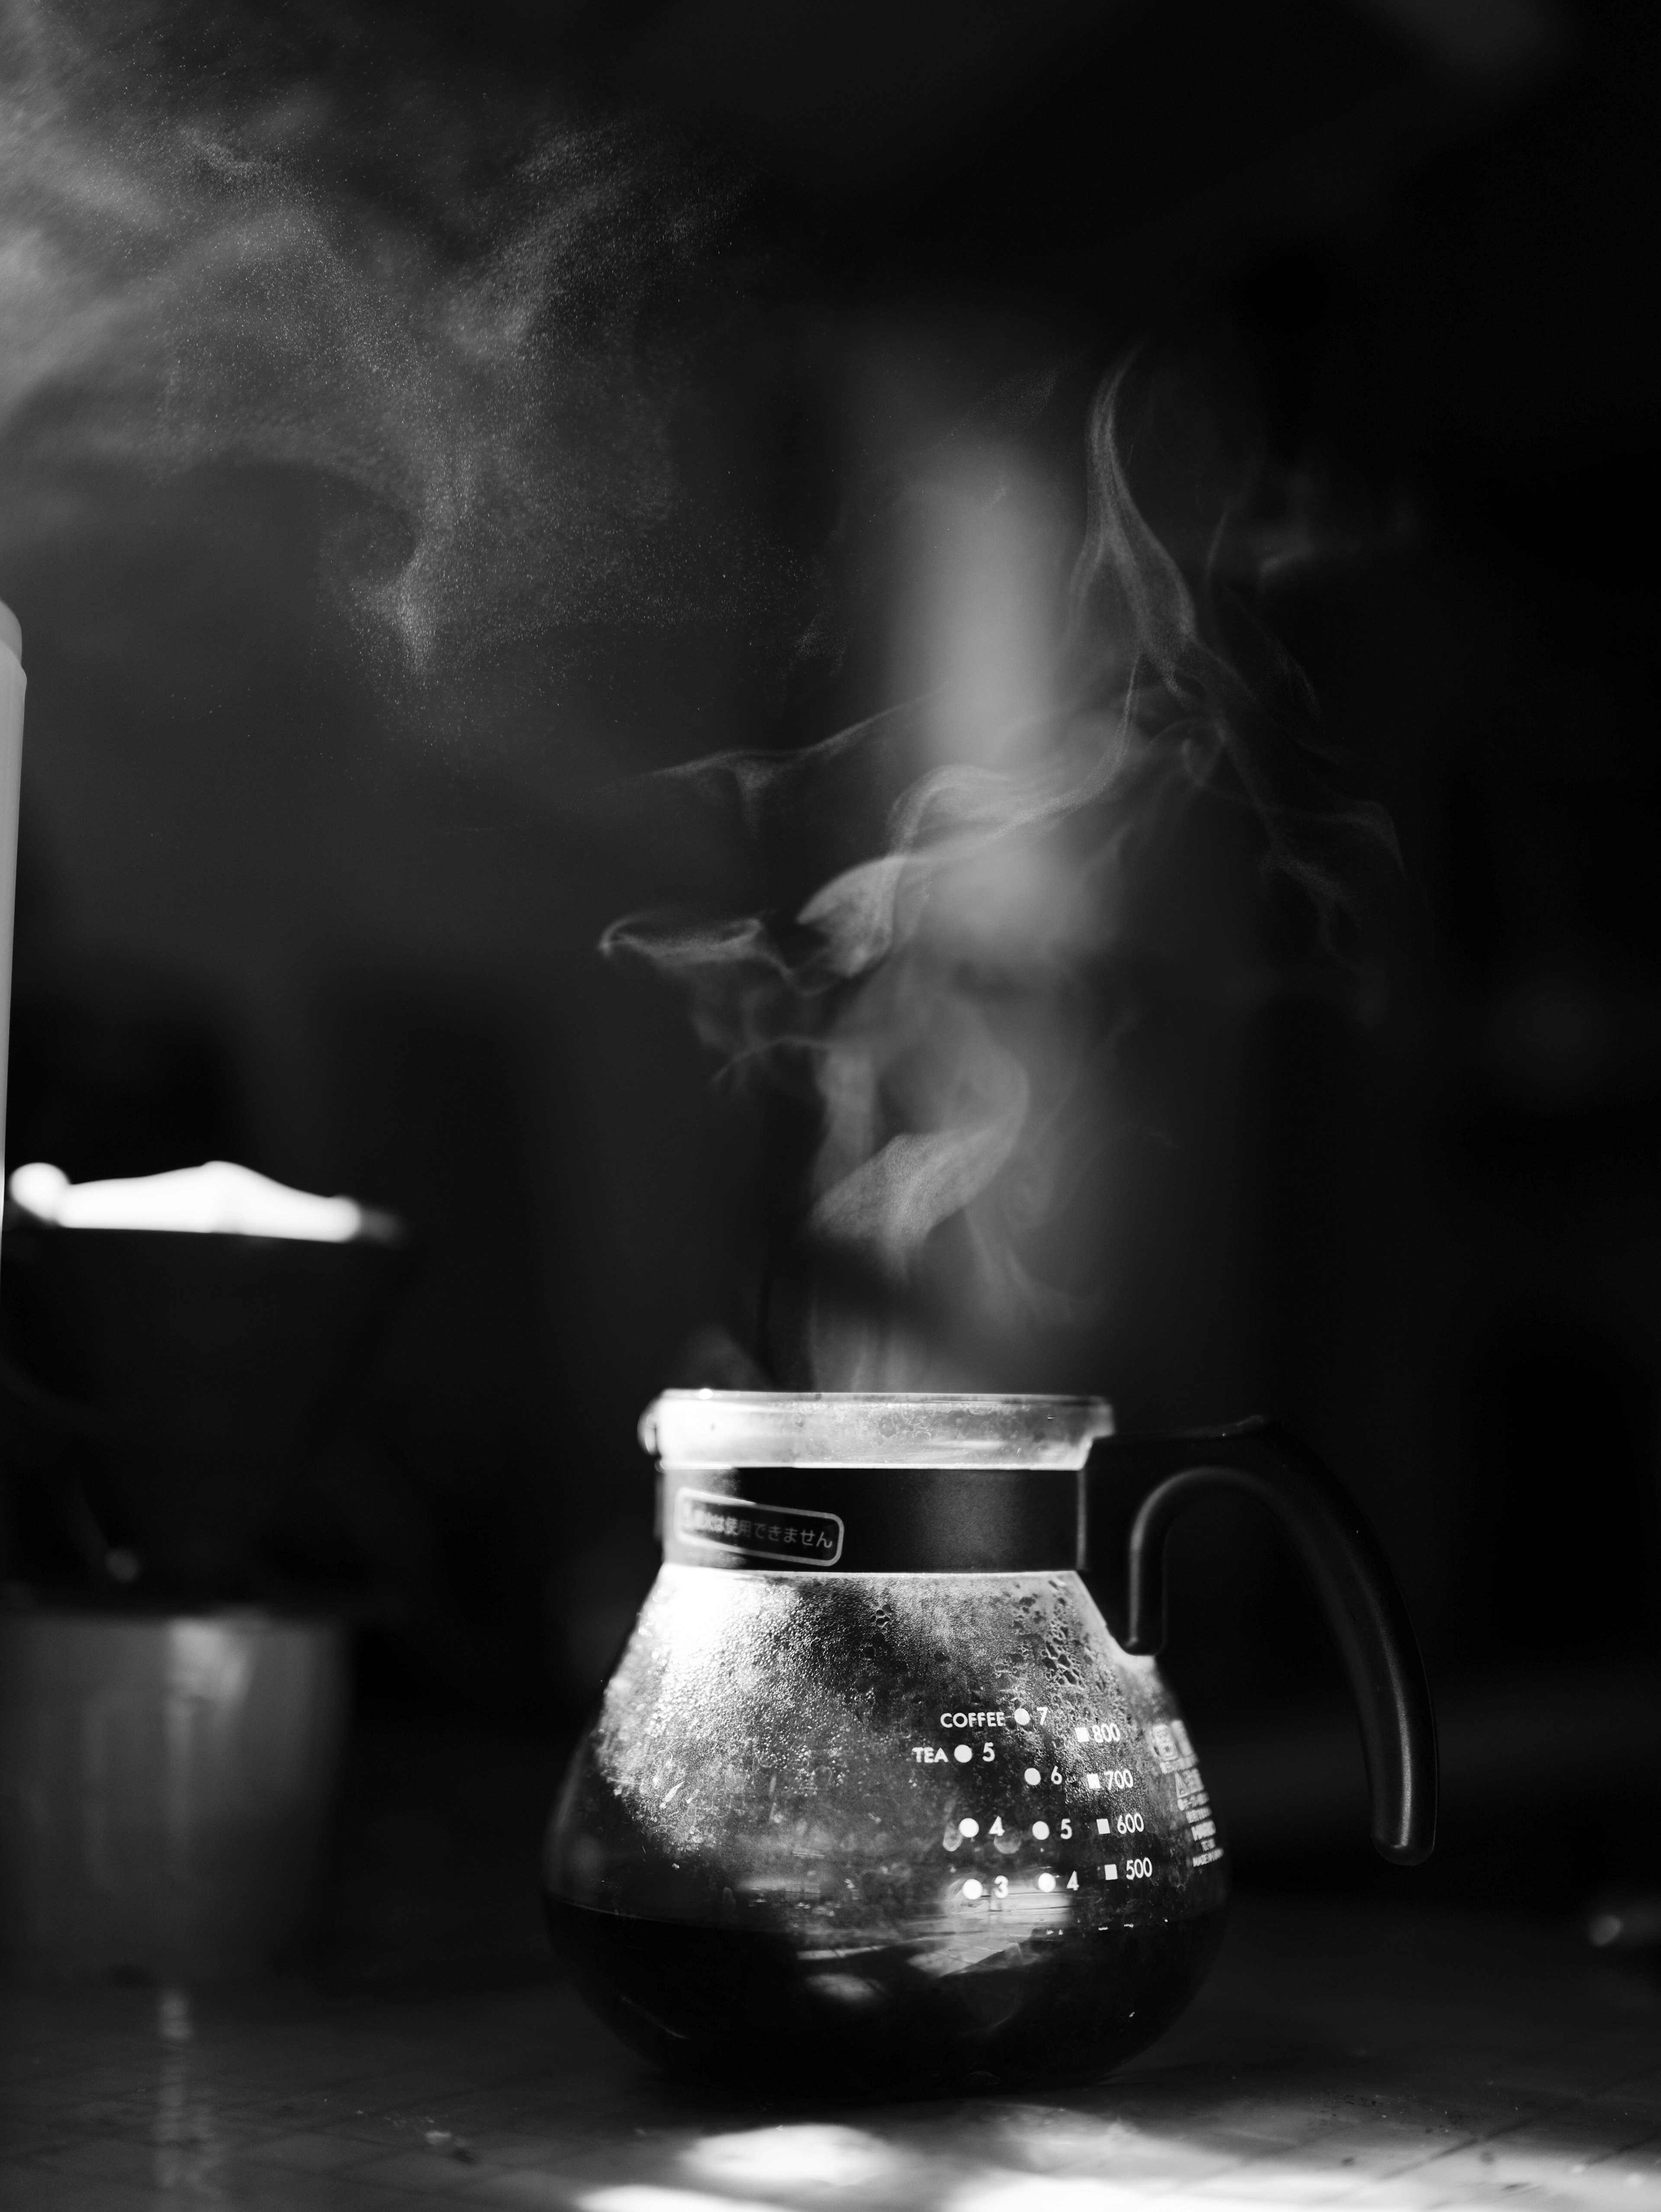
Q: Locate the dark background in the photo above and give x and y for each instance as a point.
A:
(265, 914)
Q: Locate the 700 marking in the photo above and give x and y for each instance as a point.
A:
(1110, 1777)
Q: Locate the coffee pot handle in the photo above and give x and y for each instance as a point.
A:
(1136, 1487)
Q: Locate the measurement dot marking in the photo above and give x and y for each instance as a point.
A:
(963, 1754)
(1092, 1782)
(1022, 1716)
(1046, 1881)
(1041, 1829)
(1081, 1733)
(973, 1889)
(1033, 1775)
(969, 1827)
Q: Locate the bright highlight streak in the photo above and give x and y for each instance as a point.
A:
(646, 2197)
(813, 2152)
(218, 1198)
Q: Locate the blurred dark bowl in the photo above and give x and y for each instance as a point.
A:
(215, 1367)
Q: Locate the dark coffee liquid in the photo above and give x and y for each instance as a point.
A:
(754, 2011)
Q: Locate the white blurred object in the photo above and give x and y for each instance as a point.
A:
(12, 682)
(218, 1198)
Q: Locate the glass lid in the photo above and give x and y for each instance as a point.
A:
(857, 1428)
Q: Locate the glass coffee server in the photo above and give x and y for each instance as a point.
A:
(877, 1799)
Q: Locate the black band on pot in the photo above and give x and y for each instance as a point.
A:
(873, 1520)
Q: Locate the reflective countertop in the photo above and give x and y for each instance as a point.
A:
(1365, 2054)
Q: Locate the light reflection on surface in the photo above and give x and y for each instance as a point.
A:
(918, 2167)
(1470, 2175)
(190, 2152)
(643, 2196)
(824, 2154)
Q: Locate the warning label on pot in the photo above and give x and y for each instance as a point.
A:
(789, 1532)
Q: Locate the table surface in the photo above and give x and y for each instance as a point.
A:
(1342, 2053)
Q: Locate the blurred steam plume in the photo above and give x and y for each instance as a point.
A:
(314, 239)
(938, 1001)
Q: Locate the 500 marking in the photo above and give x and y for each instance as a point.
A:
(1137, 1870)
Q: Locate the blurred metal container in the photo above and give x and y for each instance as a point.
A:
(168, 1789)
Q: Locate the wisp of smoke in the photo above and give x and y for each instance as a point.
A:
(303, 239)
(930, 992)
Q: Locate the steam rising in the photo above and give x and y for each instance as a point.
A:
(936, 995)
(225, 236)
(266, 239)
